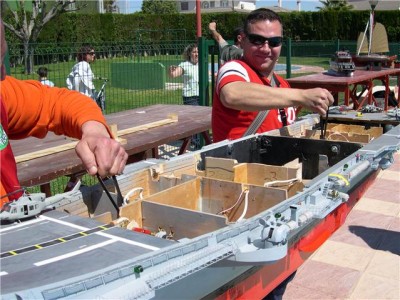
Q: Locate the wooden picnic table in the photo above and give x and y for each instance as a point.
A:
(349, 85)
(139, 145)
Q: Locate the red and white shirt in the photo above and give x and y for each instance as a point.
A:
(230, 123)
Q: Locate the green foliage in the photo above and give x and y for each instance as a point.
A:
(321, 25)
(334, 5)
(159, 7)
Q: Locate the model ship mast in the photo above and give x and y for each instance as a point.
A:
(378, 41)
(373, 57)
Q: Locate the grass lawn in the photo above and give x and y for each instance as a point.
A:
(119, 99)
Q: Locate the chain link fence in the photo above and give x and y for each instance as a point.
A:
(136, 73)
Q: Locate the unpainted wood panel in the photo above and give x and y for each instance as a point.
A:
(220, 168)
(185, 195)
(183, 223)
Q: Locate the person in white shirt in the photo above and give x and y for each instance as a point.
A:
(42, 72)
(189, 69)
(81, 77)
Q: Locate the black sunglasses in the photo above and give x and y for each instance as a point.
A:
(260, 40)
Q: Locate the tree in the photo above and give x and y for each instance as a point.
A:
(335, 5)
(28, 19)
(159, 7)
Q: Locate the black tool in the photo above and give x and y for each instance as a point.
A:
(324, 124)
(119, 194)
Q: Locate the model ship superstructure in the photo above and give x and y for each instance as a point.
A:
(230, 209)
(342, 64)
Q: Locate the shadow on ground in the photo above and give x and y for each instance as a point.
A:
(388, 241)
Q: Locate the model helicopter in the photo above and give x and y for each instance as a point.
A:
(31, 205)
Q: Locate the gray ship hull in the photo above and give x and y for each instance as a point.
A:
(58, 255)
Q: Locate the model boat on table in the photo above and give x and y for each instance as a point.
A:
(235, 218)
(341, 64)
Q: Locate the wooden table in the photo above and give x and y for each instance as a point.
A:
(348, 85)
(139, 145)
(372, 119)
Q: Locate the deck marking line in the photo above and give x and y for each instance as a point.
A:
(20, 225)
(74, 253)
(102, 234)
(3, 273)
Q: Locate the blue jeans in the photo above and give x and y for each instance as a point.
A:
(194, 100)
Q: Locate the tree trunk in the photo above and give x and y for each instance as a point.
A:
(28, 57)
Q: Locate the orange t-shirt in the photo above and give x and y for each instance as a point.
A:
(29, 108)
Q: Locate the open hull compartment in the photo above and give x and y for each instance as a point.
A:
(277, 150)
(202, 205)
(197, 194)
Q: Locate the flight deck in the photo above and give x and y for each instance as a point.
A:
(56, 246)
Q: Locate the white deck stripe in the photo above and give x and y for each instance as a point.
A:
(22, 224)
(3, 273)
(74, 253)
(103, 234)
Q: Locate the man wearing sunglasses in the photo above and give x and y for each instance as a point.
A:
(243, 87)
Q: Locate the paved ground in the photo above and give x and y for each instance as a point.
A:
(361, 260)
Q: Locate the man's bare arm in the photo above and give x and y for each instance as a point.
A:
(215, 34)
(255, 97)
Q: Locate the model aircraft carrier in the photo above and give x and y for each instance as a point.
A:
(58, 255)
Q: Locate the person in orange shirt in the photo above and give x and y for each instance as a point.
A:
(28, 108)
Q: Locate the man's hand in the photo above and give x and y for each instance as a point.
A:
(318, 100)
(99, 152)
(212, 26)
(175, 71)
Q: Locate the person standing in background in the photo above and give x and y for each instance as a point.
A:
(81, 77)
(227, 52)
(42, 72)
(189, 69)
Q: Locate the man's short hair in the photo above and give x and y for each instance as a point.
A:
(261, 14)
(237, 31)
(42, 72)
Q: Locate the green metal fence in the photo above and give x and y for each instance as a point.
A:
(136, 74)
(137, 71)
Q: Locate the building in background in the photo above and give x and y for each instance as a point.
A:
(189, 6)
